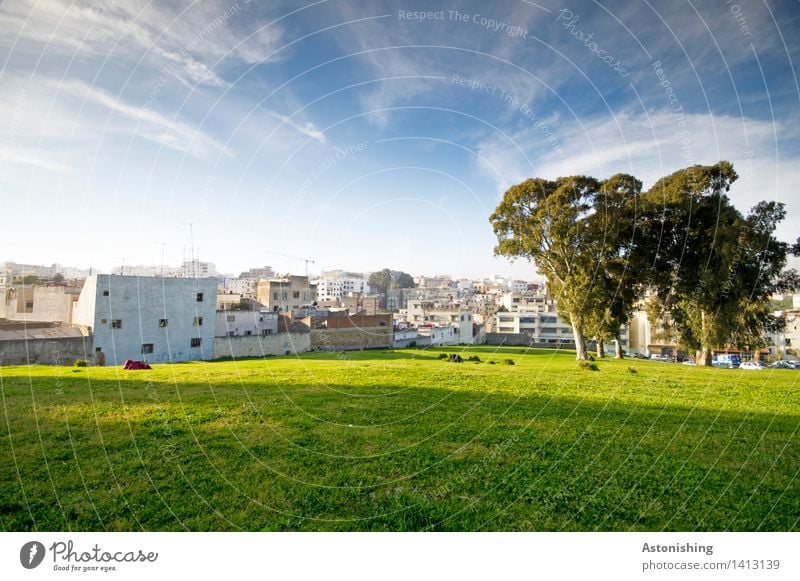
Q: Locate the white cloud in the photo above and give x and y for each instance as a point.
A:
(653, 145)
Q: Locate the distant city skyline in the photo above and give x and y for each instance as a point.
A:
(365, 134)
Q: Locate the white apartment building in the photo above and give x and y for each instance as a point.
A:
(149, 318)
(420, 313)
(242, 323)
(335, 284)
(536, 315)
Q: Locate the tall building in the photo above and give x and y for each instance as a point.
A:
(285, 295)
(149, 318)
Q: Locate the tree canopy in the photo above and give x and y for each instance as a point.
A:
(709, 271)
(386, 279)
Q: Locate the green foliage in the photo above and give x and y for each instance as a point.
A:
(715, 269)
(588, 365)
(442, 356)
(383, 441)
(508, 362)
(474, 358)
(387, 279)
(79, 363)
(632, 370)
(580, 233)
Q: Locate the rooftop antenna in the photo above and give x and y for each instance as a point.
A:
(191, 249)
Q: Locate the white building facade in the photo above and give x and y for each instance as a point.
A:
(149, 318)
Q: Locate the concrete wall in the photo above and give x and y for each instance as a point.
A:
(521, 339)
(349, 338)
(140, 303)
(254, 346)
(61, 351)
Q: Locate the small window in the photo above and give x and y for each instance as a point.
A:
(248, 333)
(196, 341)
(199, 297)
(162, 322)
(285, 296)
(105, 293)
(116, 323)
(296, 294)
(147, 348)
(198, 321)
(275, 296)
(97, 349)
(104, 321)
(28, 304)
(231, 318)
(231, 333)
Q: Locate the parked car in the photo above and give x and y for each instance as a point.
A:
(640, 356)
(785, 365)
(727, 360)
(752, 365)
(655, 357)
(689, 362)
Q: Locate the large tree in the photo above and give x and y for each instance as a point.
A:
(386, 279)
(572, 229)
(714, 270)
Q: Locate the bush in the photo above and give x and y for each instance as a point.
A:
(491, 362)
(442, 356)
(474, 358)
(79, 363)
(588, 366)
(455, 358)
(632, 370)
(508, 362)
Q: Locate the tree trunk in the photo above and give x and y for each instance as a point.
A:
(703, 357)
(580, 342)
(618, 350)
(601, 349)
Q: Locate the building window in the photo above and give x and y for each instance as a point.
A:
(231, 333)
(275, 296)
(295, 294)
(162, 322)
(199, 297)
(104, 321)
(28, 304)
(116, 323)
(147, 348)
(105, 293)
(97, 349)
(196, 341)
(198, 321)
(231, 318)
(285, 296)
(248, 333)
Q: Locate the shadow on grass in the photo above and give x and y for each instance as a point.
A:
(415, 459)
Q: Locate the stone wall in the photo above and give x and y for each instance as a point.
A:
(58, 351)
(344, 339)
(257, 346)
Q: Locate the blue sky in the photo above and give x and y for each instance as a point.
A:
(362, 135)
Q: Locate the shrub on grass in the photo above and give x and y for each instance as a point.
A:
(455, 358)
(79, 363)
(588, 366)
(632, 370)
(442, 356)
(474, 358)
(508, 362)
(491, 362)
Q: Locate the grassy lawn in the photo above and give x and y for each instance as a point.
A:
(387, 441)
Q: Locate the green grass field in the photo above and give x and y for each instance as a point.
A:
(400, 441)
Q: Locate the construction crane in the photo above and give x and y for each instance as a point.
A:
(306, 260)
